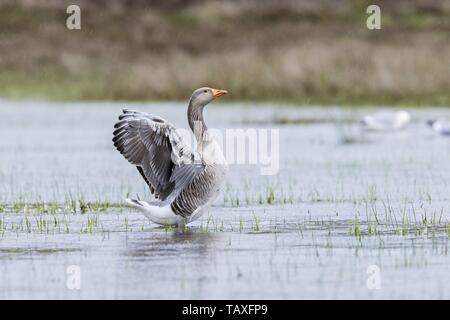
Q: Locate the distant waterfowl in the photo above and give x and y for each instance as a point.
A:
(184, 182)
(386, 120)
(440, 126)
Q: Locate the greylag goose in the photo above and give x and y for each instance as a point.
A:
(184, 182)
(440, 126)
(386, 120)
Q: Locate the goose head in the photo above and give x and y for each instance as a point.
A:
(199, 99)
(202, 96)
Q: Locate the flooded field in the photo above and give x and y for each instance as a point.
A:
(350, 214)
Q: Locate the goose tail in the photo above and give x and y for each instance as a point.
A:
(162, 215)
(138, 204)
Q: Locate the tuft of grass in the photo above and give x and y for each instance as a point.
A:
(260, 199)
(356, 229)
(28, 225)
(2, 225)
(270, 197)
(371, 230)
(256, 223)
(168, 227)
(83, 205)
(19, 205)
(241, 225)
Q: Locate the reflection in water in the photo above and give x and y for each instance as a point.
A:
(188, 241)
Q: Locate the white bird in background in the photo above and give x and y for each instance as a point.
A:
(386, 120)
(440, 126)
(184, 182)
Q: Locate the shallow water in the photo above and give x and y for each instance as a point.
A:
(311, 231)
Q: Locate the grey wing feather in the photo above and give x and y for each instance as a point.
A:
(154, 146)
(197, 192)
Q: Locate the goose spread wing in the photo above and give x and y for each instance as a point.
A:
(157, 150)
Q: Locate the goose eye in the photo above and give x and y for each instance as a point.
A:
(205, 91)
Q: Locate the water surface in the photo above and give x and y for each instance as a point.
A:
(336, 207)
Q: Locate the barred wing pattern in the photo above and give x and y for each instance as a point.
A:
(156, 149)
(199, 192)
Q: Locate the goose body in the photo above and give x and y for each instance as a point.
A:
(386, 120)
(184, 182)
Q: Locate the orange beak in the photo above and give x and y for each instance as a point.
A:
(218, 92)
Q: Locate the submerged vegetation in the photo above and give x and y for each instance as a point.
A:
(305, 52)
(374, 217)
(69, 206)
